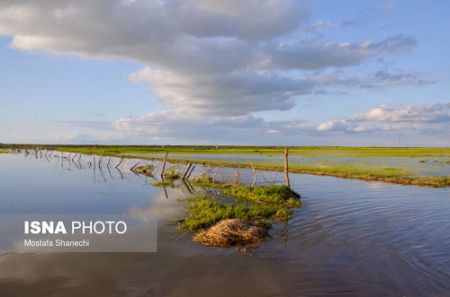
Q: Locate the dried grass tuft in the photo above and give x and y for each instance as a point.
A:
(231, 232)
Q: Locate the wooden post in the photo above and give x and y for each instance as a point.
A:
(190, 172)
(238, 177)
(254, 175)
(286, 167)
(164, 166)
(186, 171)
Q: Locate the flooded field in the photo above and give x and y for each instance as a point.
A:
(417, 166)
(350, 238)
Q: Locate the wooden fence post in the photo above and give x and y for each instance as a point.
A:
(286, 167)
(164, 166)
(254, 175)
(186, 171)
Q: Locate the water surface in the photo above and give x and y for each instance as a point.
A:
(350, 238)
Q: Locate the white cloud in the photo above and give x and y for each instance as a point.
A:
(215, 63)
(206, 57)
(179, 127)
(233, 94)
(421, 118)
(418, 113)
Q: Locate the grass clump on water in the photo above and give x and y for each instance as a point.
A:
(203, 180)
(216, 223)
(204, 211)
(173, 173)
(279, 195)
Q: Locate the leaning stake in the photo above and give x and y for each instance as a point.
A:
(164, 166)
(186, 171)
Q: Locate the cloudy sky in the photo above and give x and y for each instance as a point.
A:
(267, 72)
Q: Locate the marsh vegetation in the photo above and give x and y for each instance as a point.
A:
(252, 210)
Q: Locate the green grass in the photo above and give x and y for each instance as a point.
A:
(278, 195)
(204, 211)
(203, 180)
(317, 151)
(257, 204)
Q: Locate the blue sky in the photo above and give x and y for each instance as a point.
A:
(240, 72)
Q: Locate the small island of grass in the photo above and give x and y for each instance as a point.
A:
(214, 221)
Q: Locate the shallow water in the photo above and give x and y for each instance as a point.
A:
(417, 166)
(350, 238)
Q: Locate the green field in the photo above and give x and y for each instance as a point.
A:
(381, 172)
(332, 151)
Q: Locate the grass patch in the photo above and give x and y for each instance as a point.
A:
(203, 180)
(204, 211)
(256, 204)
(215, 223)
(279, 195)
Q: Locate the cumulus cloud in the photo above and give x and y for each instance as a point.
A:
(172, 34)
(216, 63)
(232, 94)
(173, 127)
(419, 113)
(204, 57)
(422, 118)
